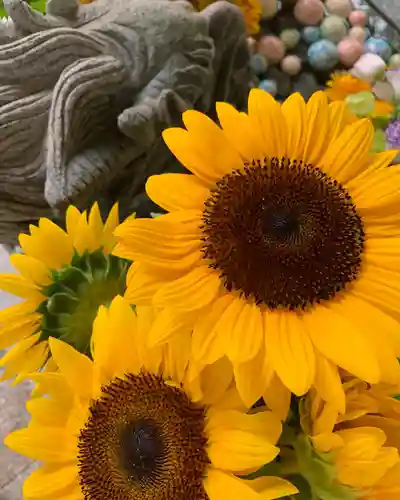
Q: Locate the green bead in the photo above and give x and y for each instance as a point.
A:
(361, 104)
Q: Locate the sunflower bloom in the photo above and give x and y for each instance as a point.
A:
(345, 84)
(131, 425)
(63, 276)
(360, 458)
(281, 249)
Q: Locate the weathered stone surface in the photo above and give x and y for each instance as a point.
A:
(86, 90)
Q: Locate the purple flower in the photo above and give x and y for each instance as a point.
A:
(393, 134)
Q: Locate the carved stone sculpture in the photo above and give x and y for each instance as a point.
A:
(86, 90)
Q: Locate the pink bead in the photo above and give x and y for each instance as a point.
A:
(358, 18)
(357, 33)
(350, 51)
(291, 65)
(272, 48)
(309, 12)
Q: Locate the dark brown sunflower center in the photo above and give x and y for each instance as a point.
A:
(144, 439)
(283, 233)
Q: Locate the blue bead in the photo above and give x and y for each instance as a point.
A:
(311, 34)
(258, 64)
(378, 46)
(269, 86)
(323, 55)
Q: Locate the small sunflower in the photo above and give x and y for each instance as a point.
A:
(63, 277)
(354, 454)
(281, 250)
(130, 426)
(344, 84)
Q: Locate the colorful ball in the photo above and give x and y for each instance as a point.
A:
(269, 86)
(291, 65)
(269, 8)
(358, 18)
(290, 38)
(341, 8)
(394, 61)
(323, 55)
(361, 104)
(258, 64)
(350, 51)
(334, 28)
(311, 34)
(378, 46)
(272, 48)
(309, 12)
(357, 33)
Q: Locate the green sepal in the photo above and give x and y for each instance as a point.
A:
(61, 303)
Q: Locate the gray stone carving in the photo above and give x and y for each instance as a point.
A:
(86, 90)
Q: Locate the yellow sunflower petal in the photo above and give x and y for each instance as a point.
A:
(114, 340)
(31, 269)
(253, 377)
(295, 112)
(242, 346)
(241, 132)
(72, 218)
(18, 285)
(215, 380)
(45, 444)
(264, 423)
(95, 224)
(292, 352)
(379, 194)
(376, 162)
(50, 479)
(328, 384)
(18, 329)
(56, 239)
(17, 311)
(316, 137)
(267, 115)
(112, 221)
(271, 487)
(277, 397)
(339, 118)
(177, 191)
(142, 285)
(46, 411)
(218, 152)
(348, 154)
(19, 349)
(77, 367)
(207, 345)
(168, 324)
(239, 450)
(29, 361)
(338, 339)
(85, 238)
(196, 289)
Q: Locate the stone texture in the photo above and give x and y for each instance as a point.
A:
(86, 90)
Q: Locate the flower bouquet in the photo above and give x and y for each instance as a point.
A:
(242, 345)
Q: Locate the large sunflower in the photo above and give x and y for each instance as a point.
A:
(355, 455)
(282, 250)
(129, 425)
(63, 277)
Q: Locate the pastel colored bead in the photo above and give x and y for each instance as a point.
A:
(309, 12)
(252, 44)
(368, 66)
(269, 86)
(323, 55)
(341, 8)
(272, 48)
(379, 47)
(334, 28)
(311, 34)
(358, 18)
(291, 65)
(361, 104)
(357, 33)
(394, 61)
(290, 38)
(269, 8)
(350, 51)
(258, 64)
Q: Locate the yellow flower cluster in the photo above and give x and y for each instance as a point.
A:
(243, 344)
